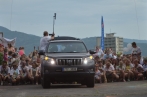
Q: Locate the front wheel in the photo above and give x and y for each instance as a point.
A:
(90, 82)
(45, 83)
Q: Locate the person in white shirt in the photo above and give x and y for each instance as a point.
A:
(121, 69)
(97, 74)
(24, 72)
(138, 70)
(4, 73)
(108, 55)
(145, 67)
(44, 40)
(136, 51)
(14, 73)
(110, 71)
(34, 72)
(99, 52)
(128, 69)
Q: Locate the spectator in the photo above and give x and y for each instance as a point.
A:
(1, 48)
(5, 73)
(11, 48)
(110, 72)
(15, 74)
(136, 51)
(129, 69)
(97, 74)
(121, 71)
(1, 53)
(99, 52)
(24, 72)
(138, 70)
(107, 55)
(5, 57)
(10, 58)
(145, 68)
(34, 72)
(21, 51)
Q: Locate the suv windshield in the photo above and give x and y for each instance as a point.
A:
(66, 47)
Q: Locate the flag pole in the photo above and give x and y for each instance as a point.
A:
(102, 34)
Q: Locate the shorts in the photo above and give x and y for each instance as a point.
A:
(108, 73)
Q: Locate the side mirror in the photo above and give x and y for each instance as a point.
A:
(92, 51)
(41, 52)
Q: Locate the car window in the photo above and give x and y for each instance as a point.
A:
(67, 47)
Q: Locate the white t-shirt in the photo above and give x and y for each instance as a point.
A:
(24, 69)
(145, 67)
(111, 68)
(136, 50)
(99, 53)
(139, 65)
(97, 74)
(2, 69)
(107, 56)
(44, 41)
(14, 71)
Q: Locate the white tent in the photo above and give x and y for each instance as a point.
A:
(5, 41)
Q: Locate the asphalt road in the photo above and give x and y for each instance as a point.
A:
(116, 89)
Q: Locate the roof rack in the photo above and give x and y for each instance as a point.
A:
(65, 38)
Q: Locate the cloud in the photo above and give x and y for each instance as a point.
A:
(128, 48)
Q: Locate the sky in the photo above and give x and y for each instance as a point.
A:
(77, 18)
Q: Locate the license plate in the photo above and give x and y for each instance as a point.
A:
(69, 69)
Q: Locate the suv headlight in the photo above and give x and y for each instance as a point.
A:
(88, 60)
(50, 60)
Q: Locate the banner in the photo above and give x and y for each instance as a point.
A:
(102, 34)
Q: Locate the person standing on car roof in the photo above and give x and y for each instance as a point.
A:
(45, 39)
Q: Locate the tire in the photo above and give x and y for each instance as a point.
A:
(83, 83)
(45, 83)
(90, 82)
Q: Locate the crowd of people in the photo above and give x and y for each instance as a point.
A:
(18, 68)
(111, 66)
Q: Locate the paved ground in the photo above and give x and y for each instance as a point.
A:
(116, 89)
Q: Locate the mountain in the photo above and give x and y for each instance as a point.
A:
(29, 41)
(132, 40)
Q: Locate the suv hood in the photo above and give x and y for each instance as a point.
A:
(68, 55)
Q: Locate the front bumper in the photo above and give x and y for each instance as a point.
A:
(68, 76)
(56, 73)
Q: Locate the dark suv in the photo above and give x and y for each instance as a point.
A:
(66, 59)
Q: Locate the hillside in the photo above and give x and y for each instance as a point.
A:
(29, 41)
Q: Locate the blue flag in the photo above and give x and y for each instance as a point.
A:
(102, 34)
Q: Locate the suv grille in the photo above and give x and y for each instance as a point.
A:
(69, 61)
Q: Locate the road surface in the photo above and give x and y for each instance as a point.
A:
(116, 89)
